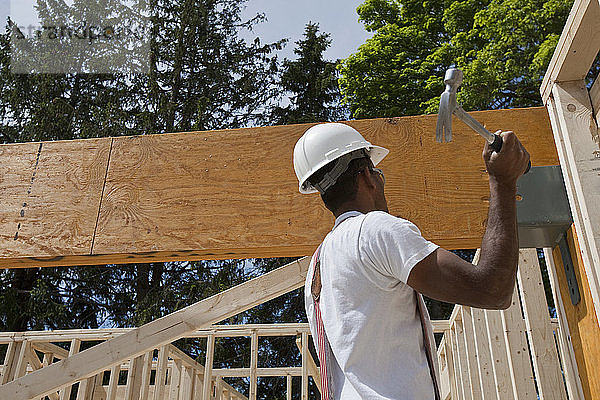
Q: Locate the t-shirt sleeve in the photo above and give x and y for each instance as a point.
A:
(392, 245)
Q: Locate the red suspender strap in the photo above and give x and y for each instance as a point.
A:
(428, 345)
(323, 344)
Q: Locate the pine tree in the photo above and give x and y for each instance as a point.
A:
(310, 81)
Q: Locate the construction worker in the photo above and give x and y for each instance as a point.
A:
(363, 290)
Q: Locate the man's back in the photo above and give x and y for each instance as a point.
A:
(369, 313)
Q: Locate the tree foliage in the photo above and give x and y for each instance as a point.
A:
(503, 46)
(310, 81)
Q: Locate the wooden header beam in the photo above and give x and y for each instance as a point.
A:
(233, 193)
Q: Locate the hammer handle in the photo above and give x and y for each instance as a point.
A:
(474, 124)
(495, 141)
(496, 145)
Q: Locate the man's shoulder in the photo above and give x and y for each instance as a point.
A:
(383, 220)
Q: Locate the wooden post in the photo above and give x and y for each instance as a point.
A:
(471, 352)
(464, 375)
(567, 354)
(161, 370)
(208, 365)
(518, 350)
(456, 376)
(288, 387)
(450, 363)
(10, 361)
(500, 363)
(253, 365)
(219, 389)
(113, 382)
(187, 383)
(304, 366)
(537, 320)
(312, 366)
(65, 393)
(595, 99)
(85, 390)
(176, 367)
(146, 371)
(482, 348)
(134, 378)
(198, 384)
(22, 360)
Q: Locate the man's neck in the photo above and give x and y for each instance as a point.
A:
(354, 207)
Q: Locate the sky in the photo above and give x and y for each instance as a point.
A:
(285, 19)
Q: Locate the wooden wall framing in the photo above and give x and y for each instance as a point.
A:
(573, 116)
(233, 193)
(138, 341)
(574, 113)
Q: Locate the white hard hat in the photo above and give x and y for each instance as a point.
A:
(324, 143)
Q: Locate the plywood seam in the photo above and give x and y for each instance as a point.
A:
(102, 195)
(29, 189)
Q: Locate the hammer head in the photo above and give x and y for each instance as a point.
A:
(453, 80)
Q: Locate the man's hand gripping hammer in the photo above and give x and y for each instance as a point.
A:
(449, 106)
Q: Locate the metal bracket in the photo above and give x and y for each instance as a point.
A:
(543, 212)
(565, 253)
(544, 215)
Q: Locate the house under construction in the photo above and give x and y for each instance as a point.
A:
(201, 196)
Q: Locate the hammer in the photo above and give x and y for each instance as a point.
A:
(449, 106)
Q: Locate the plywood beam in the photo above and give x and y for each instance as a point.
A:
(577, 47)
(157, 333)
(233, 193)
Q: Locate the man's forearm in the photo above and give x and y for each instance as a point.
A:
(500, 246)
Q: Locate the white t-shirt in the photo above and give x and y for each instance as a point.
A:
(369, 312)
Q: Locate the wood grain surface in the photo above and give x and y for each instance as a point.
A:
(233, 193)
(49, 198)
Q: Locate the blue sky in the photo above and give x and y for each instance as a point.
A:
(287, 19)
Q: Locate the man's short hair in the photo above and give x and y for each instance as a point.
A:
(345, 187)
